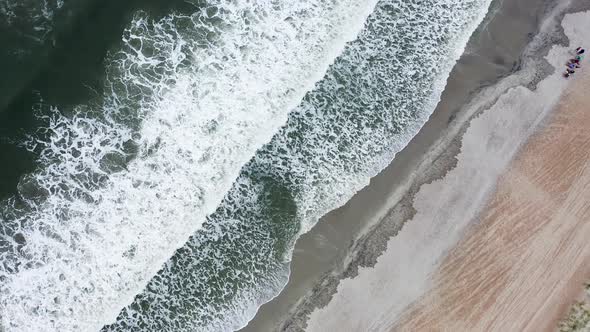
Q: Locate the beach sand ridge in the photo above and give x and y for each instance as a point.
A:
(522, 265)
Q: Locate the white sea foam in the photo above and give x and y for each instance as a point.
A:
(446, 207)
(197, 95)
(373, 99)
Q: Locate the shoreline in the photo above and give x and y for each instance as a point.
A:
(329, 251)
(393, 191)
(446, 208)
(526, 260)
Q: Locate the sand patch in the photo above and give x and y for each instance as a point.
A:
(525, 262)
(445, 208)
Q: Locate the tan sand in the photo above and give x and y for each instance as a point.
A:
(526, 261)
(489, 55)
(447, 208)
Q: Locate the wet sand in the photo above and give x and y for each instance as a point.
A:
(355, 235)
(370, 296)
(446, 208)
(528, 258)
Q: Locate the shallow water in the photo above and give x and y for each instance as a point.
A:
(216, 135)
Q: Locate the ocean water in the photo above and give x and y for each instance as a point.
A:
(170, 199)
(57, 61)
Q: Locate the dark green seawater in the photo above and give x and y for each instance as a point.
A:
(160, 158)
(58, 61)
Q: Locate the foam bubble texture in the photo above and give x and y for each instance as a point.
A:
(125, 180)
(370, 103)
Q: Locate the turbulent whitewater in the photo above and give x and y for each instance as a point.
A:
(172, 201)
(191, 98)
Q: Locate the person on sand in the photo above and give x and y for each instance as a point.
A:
(575, 61)
(568, 72)
(580, 50)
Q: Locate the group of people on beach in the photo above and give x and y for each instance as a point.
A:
(574, 63)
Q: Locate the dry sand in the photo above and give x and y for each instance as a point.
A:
(490, 55)
(431, 189)
(525, 262)
(374, 299)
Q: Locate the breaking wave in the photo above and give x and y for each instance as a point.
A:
(172, 201)
(126, 179)
(372, 100)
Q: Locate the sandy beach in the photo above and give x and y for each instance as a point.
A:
(525, 262)
(366, 263)
(253, 166)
